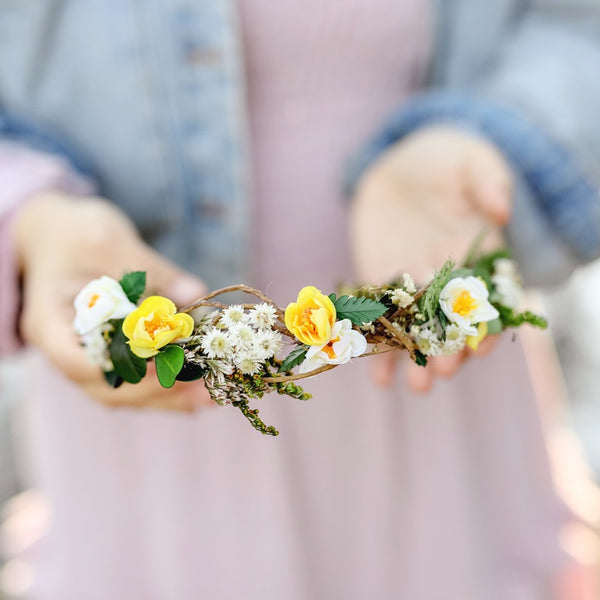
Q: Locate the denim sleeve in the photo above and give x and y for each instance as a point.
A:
(16, 129)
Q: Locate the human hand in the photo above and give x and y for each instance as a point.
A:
(423, 201)
(63, 243)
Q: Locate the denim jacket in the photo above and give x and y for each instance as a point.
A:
(149, 98)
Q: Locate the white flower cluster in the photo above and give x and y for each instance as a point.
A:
(243, 339)
(507, 282)
(430, 339)
(403, 296)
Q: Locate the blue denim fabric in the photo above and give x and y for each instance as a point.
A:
(557, 182)
(15, 129)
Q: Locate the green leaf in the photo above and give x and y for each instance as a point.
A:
(169, 363)
(332, 297)
(113, 379)
(129, 367)
(191, 372)
(494, 326)
(293, 359)
(431, 297)
(510, 318)
(359, 310)
(133, 285)
(420, 358)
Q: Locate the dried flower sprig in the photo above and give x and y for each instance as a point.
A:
(244, 351)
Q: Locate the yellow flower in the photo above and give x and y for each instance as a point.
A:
(311, 318)
(154, 324)
(473, 341)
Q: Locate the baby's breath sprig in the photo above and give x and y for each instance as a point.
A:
(244, 351)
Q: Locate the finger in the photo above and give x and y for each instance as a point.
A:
(384, 369)
(446, 366)
(420, 379)
(489, 191)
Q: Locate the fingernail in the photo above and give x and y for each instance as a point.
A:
(186, 290)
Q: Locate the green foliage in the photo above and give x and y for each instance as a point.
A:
(486, 261)
(494, 326)
(332, 297)
(252, 415)
(191, 372)
(133, 285)
(128, 366)
(169, 363)
(431, 298)
(113, 379)
(420, 358)
(510, 318)
(359, 310)
(293, 359)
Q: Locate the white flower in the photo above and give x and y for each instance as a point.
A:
(505, 266)
(233, 315)
(455, 340)
(216, 343)
(241, 335)
(263, 316)
(99, 301)
(96, 347)
(344, 344)
(409, 283)
(427, 340)
(400, 298)
(464, 301)
(267, 343)
(247, 364)
(509, 289)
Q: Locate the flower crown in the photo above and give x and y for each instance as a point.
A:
(243, 351)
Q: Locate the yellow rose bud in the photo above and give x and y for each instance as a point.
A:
(154, 324)
(311, 318)
(473, 341)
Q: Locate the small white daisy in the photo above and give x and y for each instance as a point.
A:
(263, 316)
(247, 364)
(216, 343)
(233, 315)
(455, 340)
(242, 335)
(267, 343)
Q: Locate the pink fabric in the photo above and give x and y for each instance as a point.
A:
(366, 493)
(24, 173)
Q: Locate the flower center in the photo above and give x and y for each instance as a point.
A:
(306, 320)
(94, 298)
(328, 348)
(156, 323)
(464, 304)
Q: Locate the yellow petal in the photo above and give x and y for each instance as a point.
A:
(473, 341)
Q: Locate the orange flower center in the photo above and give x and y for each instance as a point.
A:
(464, 304)
(93, 300)
(328, 348)
(306, 320)
(156, 323)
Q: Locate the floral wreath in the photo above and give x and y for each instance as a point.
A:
(243, 351)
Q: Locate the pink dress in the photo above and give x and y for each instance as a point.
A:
(366, 493)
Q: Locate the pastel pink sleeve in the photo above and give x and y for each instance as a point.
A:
(24, 173)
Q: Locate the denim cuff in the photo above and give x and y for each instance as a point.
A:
(558, 183)
(15, 129)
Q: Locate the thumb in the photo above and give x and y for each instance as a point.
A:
(166, 278)
(490, 192)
